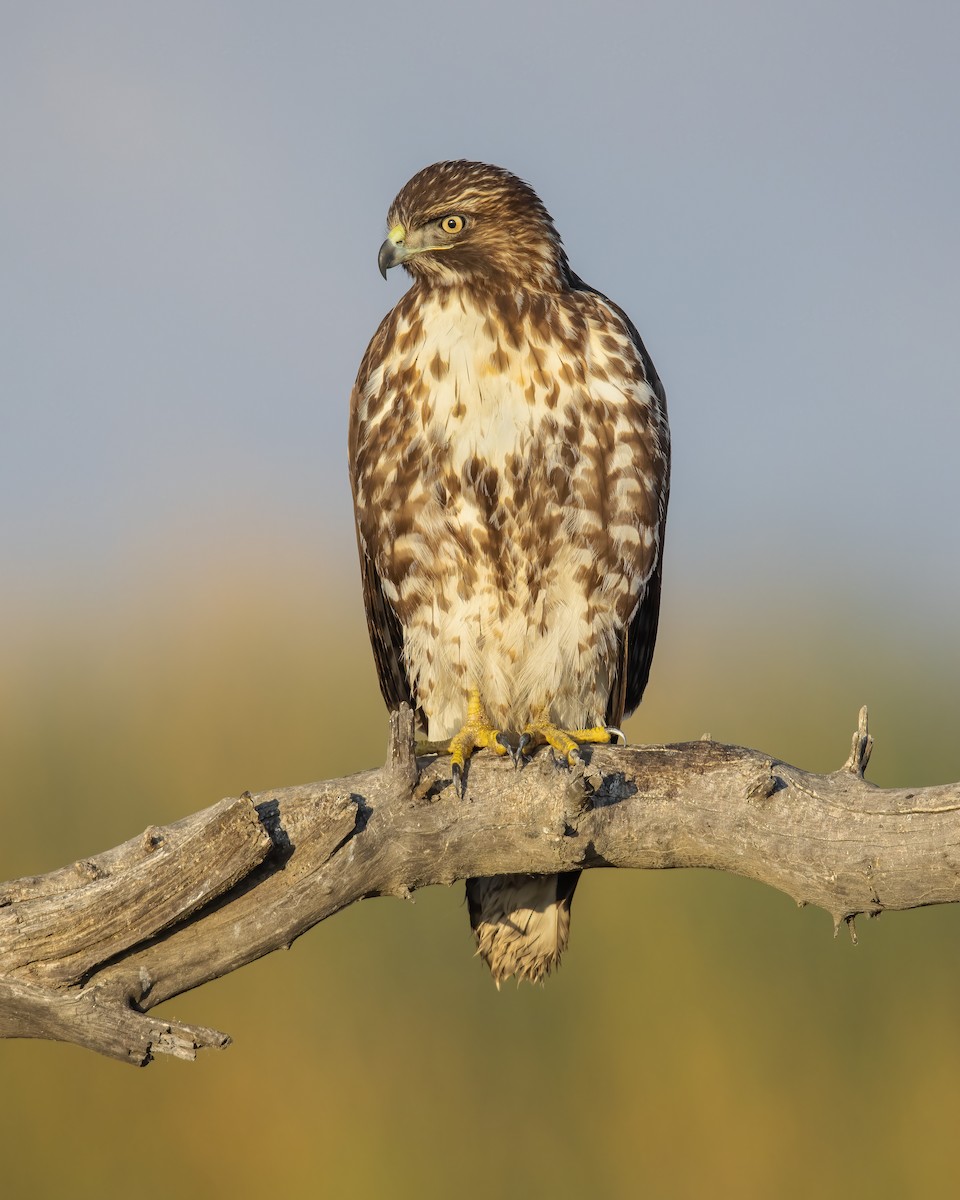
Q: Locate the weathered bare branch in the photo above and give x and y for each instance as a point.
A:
(87, 951)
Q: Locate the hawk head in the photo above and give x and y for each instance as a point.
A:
(459, 222)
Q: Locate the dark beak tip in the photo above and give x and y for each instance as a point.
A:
(388, 257)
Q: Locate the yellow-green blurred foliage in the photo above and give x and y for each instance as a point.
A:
(704, 1037)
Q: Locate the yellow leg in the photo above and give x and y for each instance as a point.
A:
(476, 733)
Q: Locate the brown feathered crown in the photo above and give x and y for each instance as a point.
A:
(469, 221)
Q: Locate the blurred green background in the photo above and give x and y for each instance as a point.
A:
(191, 200)
(703, 1035)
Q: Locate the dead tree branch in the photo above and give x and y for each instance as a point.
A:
(87, 951)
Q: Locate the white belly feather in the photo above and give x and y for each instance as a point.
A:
(530, 641)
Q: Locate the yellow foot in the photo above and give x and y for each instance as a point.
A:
(566, 742)
(476, 733)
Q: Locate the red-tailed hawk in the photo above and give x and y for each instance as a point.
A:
(509, 456)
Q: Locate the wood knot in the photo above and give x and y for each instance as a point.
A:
(764, 785)
(87, 869)
(152, 839)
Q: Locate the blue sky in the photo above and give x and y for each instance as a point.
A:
(193, 195)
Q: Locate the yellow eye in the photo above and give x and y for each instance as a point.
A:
(452, 224)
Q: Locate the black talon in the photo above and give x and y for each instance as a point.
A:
(517, 755)
(616, 733)
(504, 741)
(456, 773)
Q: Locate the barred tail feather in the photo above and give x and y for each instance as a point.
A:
(522, 922)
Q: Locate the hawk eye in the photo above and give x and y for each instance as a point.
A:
(452, 224)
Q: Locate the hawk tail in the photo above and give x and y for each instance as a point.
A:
(522, 922)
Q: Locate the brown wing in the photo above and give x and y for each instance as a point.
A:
(636, 654)
(635, 651)
(636, 646)
(383, 625)
(386, 638)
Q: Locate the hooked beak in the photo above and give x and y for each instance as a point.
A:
(393, 251)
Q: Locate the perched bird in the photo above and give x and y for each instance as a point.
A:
(509, 458)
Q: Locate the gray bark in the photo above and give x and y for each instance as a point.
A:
(87, 951)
